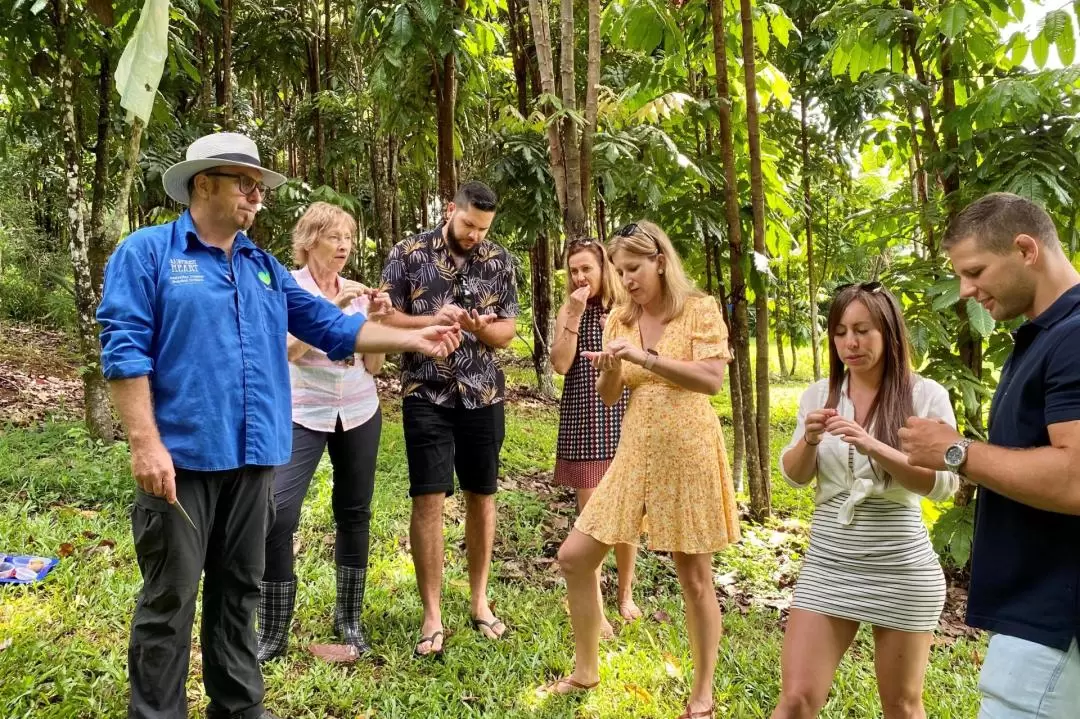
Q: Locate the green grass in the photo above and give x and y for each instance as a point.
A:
(68, 635)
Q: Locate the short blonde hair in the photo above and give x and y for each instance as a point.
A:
(645, 239)
(320, 219)
(611, 292)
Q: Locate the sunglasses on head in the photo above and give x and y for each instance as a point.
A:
(871, 287)
(632, 228)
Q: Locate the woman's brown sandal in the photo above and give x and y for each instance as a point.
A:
(576, 686)
(709, 713)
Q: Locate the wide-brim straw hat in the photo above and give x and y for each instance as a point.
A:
(222, 149)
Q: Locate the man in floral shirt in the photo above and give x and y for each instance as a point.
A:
(453, 408)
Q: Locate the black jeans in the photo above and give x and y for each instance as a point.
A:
(353, 455)
(230, 510)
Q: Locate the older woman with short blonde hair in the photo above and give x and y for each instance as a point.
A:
(335, 407)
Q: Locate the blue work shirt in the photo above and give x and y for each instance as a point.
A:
(1025, 567)
(210, 332)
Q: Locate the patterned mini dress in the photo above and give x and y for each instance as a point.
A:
(588, 429)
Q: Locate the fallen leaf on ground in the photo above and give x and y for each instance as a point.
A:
(65, 549)
(638, 692)
(337, 653)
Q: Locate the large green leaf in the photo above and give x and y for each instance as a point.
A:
(947, 294)
(1054, 24)
(1066, 42)
(761, 33)
(953, 19)
(782, 27)
(1018, 47)
(1040, 50)
(979, 318)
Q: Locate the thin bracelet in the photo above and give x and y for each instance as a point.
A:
(810, 444)
(650, 360)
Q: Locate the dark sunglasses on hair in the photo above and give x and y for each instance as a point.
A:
(583, 242)
(871, 287)
(629, 230)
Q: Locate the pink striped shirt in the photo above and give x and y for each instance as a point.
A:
(322, 390)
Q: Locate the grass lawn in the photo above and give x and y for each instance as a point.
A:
(63, 642)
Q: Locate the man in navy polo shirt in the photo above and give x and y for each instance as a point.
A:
(194, 320)
(1025, 564)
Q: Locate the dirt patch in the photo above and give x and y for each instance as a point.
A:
(39, 376)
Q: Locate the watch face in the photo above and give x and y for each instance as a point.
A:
(954, 455)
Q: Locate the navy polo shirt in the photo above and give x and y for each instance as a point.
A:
(209, 330)
(1025, 563)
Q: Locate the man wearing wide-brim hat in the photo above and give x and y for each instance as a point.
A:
(194, 320)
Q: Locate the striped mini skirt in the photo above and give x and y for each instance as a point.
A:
(881, 569)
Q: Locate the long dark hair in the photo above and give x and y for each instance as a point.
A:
(893, 403)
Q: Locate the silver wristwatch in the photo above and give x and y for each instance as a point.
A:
(956, 455)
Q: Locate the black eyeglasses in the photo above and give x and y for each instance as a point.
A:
(871, 287)
(246, 183)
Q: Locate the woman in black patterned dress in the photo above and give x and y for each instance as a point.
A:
(588, 429)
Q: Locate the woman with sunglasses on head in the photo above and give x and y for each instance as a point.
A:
(668, 345)
(870, 559)
(588, 428)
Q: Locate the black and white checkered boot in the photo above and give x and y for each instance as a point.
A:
(350, 603)
(275, 618)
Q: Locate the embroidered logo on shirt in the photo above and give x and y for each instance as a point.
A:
(265, 277)
(184, 272)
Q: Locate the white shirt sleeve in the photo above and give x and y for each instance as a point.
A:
(935, 404)
(808, 402)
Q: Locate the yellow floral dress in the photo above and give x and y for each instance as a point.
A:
(671, 464)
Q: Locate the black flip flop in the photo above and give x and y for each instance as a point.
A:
(490, 626)
(430, 640)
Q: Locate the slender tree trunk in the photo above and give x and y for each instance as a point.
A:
(789, 286)
(757, 198)
(98, 251)
(315, 88)
(97, 410)
(540, 266)
(759, 487)
(392, 188)
(808, 216)
(203, 51)
(738, 411)
(592, 86)
(574, 218)
(445, 81)
(779, 330)
(226, 63)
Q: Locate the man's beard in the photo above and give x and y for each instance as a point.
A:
(453, 242)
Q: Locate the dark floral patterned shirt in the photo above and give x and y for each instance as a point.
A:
(421, 277)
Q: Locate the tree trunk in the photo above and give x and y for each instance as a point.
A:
(789, 286)
(780, 353)
(226, 63)
(759, 483)
(575, 222)
(540, 266)
(315, 88)
(445, 76)
(97, 410)
(738, 462)
(757, 201)
(592, 86)
(808, 216)
(203, 51)
(98, 250)
(392, 188)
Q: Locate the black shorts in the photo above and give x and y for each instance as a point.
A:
(439, 440)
